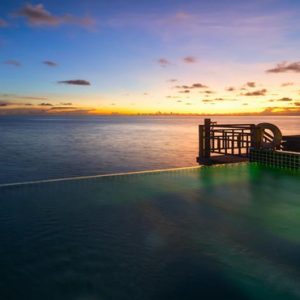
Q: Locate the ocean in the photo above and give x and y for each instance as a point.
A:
(38, 148)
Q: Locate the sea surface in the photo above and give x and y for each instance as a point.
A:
(37, 148)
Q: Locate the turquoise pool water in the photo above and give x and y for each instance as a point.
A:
(226, 232)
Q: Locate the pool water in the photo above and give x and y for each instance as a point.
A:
(224, 232)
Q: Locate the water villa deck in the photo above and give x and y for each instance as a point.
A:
(230, 143)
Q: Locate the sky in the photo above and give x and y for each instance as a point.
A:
(150, 57)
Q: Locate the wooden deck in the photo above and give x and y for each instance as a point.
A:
(231, 143)
(224, 159)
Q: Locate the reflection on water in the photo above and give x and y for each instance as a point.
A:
(35, 148)
(210, 233)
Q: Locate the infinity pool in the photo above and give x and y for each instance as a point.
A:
(226, 232)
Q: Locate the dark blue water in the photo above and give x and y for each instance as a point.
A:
(34, 148)
(230, 232)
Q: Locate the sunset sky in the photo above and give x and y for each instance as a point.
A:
(141, 56)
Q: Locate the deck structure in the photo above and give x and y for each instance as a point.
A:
(223, 143)
(229, 143)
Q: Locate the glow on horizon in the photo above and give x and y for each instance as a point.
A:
(150, 58)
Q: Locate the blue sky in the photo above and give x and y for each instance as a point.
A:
(136, 56)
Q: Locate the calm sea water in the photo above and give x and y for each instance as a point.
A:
(34, 148)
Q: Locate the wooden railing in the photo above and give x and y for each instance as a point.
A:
(226, 139)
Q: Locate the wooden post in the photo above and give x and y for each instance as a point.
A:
(204, 142)
(207, 124)
(201, 144)
(239, 143)
(255, 136)
(232, 142)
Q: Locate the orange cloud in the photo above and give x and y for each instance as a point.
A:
(251, 84)
(230, 89)
(287, 84)
(256, 93)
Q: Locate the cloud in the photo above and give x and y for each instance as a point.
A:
(184, 91)
(287, 84)
(16, 97)
(50, 63)
(45, 104)
(62, 107)
(44, 111)
(172, 97)
(12, 62)
(163, 62)
(193, 86)
(230, 89)
(251, 84)
(285, 99)
(66, 103)
(297, 103)
(256, 93)
(34, 98)
(172, 80)
(75, 82)
(21, 111)
(4, 103)
(286, 67)
(37, 15)
(199, 85)
(69, 110)
(3, 23)
(190, 59)
(182, 87)
(281, 111)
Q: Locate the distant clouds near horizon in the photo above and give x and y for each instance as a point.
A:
(109, 51)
